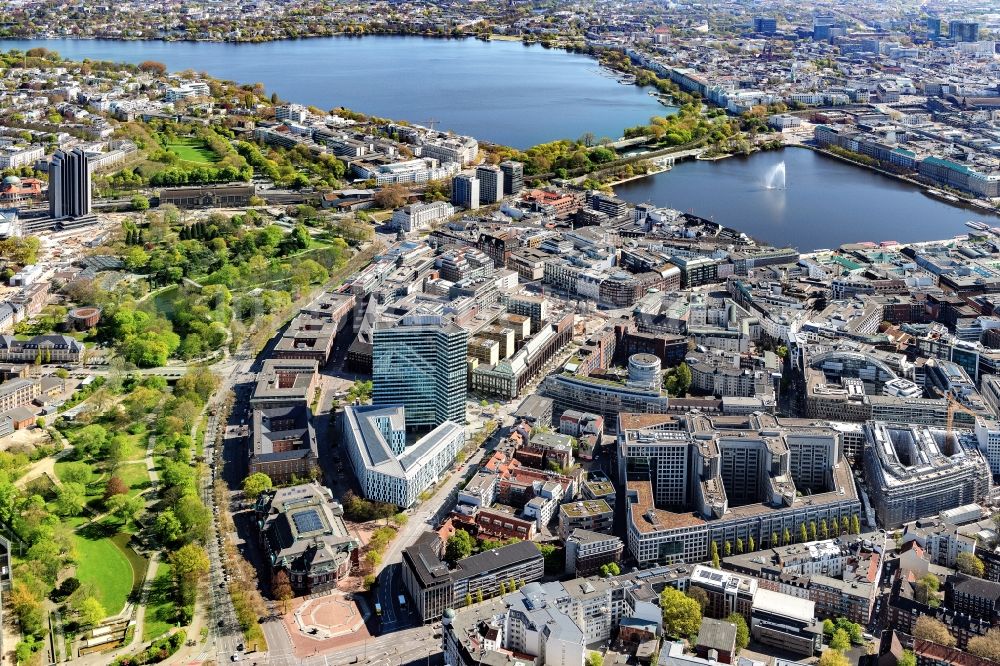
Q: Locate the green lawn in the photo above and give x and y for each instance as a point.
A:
(102, 564)
(194, 150)
(135, 475)
(161, 611)
(139, 440)
(60, 467)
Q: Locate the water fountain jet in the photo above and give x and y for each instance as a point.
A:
(775, 179)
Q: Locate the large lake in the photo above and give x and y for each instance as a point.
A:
(824, 204)
(500, 91)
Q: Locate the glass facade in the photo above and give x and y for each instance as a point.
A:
(423, 368)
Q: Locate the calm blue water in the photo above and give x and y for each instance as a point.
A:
(825, 202)
(503, 92)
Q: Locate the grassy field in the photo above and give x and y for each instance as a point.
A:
(103, 565)
(60, 467)
(138, 562)
(161, 611)
(135, 475)
(194, 150)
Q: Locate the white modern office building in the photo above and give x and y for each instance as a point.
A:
(421, 215)
(490, 184)
(387, 467)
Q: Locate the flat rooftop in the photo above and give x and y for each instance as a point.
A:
(585, 508)
(784, 605)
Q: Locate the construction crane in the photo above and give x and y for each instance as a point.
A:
(955, 406)
(430, 124)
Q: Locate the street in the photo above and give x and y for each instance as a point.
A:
(224, 633)
(399, 637)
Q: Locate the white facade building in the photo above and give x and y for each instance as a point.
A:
(387, 469)
(293, 112)
(542, 507)
(409, 171)
(420, 215)
(459, 149)
(193, 89)
(13, 157)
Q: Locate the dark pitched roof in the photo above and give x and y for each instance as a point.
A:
(717, 635)
(977, 587)
(498, 558)
(422, 559)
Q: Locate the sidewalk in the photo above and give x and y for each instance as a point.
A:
(45, 467)
(201, 651)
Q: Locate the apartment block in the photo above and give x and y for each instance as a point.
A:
(591, 515)
(587, 551)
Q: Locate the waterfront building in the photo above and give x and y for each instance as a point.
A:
(610, 205)
(419, 362)
(69, 184)
(982, 181)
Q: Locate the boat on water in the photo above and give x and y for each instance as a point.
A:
(627, 79)
(939, 194)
